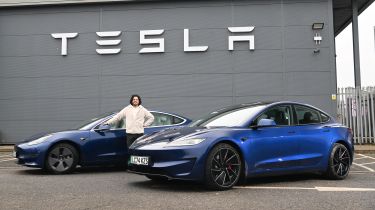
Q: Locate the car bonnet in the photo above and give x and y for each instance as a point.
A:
(167, 135)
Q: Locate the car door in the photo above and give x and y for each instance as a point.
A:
(275, 147)
(313, 135)
(107, 146)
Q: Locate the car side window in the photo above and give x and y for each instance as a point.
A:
(280, 114)
(324, 117)
(165, 119)
(307, 115)
(119, 125)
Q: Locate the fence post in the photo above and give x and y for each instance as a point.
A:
(356, 109)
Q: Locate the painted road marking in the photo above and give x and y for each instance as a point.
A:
(10, 155)
(362, 165)
(7, 160)
(370, 169)
(11, 167)
(360, 172)
(365, 156)
(320, 189)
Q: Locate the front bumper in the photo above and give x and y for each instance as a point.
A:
(30, 156)
(186, 163)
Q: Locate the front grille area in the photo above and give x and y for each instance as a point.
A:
(147, 170)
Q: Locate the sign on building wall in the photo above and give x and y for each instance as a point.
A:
(148, 37)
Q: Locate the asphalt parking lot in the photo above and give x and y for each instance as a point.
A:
(113, 188)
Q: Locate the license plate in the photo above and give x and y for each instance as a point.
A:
(139, 160)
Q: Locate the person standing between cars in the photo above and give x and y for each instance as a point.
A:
(136, 119)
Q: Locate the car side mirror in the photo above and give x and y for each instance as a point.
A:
(102, 128)
(264, 123)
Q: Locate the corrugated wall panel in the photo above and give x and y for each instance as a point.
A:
(42, 90)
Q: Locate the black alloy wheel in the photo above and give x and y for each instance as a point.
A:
(223, 167)
(339, 162)
(62, 159)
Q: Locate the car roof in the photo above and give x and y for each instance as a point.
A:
(169, 113)
(267, 103)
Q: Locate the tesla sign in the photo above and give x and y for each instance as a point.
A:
(111, 40)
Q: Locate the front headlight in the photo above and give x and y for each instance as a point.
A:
(40, 140)
(184, 142)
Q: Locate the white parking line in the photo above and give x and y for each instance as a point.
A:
(368, 163)
(343, 189)
(365, 156)
(352, 171)
(10, 167)
(360, 165)
(320, 189)
(7, 160)
(10, 155)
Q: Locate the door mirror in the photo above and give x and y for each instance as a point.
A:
(102, 128)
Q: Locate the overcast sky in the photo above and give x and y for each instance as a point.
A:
(344, 51)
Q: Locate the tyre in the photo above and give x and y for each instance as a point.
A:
(61, 159)
(157, 178)
(339, 162)
(223, 167)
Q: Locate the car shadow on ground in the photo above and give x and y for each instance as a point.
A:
(170, 186)
(84, 170)
(189, 186)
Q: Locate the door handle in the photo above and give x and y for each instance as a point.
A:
(291, 132)
(82, 139)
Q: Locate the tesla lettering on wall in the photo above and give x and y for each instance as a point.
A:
(145, 38)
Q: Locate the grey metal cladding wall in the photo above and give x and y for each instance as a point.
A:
(42, 90)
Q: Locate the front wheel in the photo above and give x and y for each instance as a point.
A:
(223, 167)
(62, 159)
(339, 162)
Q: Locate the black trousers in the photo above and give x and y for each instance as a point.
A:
(131, 137)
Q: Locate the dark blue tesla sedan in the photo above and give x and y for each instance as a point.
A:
(246, 140)
(90, 144)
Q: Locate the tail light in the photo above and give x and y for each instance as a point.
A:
(350, 131)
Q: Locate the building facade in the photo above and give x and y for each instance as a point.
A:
(62, 64)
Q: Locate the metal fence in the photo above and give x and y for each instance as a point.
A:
(355, 108)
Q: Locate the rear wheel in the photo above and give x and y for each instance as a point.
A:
(223, 167)
(62, 159)
(339, 162)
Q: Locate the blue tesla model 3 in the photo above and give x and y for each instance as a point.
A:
(90, 144)
(246, 140)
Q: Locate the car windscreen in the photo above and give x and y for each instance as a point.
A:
(228, 117)
(88, 124)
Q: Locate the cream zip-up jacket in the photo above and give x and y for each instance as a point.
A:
(136, 118)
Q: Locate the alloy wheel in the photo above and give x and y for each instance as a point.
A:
(341, 161)
(60, 159)
(225, 167)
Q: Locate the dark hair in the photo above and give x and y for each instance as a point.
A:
(131, 99)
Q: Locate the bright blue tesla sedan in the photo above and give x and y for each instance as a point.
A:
(90, 144)
(247, 140)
